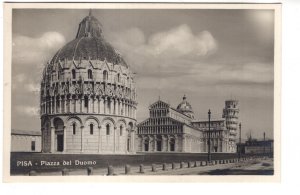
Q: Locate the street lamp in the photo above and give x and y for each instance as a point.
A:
(209, 154)
(240, 140)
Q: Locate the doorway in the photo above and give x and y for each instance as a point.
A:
(60, 142)
(172, 145)
(146, 145)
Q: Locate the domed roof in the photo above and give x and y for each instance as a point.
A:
(185, 107)
(89, 44)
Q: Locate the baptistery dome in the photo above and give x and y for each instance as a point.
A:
(88, 96)
(185, 108)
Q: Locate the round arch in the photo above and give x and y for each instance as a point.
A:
(75, 117)
(108, 119)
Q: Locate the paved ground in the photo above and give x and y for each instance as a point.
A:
(250, 167)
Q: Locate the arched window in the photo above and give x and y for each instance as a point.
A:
(74, 128)
(105, 75)
(118, 77)
(73, 74)
(91, 129)
(86, 102)
(121, 130)
(107, 129)
(90, 74)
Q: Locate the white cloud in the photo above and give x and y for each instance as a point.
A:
(32, 87)
(181, 41)
(28, 50)
(28, 110)
(177, 42)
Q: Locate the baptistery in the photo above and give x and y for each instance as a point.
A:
(88, 98)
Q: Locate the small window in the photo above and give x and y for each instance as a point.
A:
(91, 129)
(32, 145)
(107, 129)
(90, 74)
(74, 128)
(121, 130)
(86, 102)
(73, 74)
(105, 75)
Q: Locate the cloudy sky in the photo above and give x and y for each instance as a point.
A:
(208, 55)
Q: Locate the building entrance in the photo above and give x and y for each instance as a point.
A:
(172, 145)
(60, 142)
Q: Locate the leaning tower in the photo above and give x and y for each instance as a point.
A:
(230, 113)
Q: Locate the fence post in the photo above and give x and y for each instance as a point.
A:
(90, 171)
(165, 167)
(32, 173)
(65, 172)
(127, 169)
(142, 168)
(153, 168)
(110, 170)
(181, 165)
(173, 165)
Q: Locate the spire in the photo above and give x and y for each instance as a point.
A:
(184, 97)
(89, 27)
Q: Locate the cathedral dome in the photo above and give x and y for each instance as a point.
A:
(89, 44)
(185, 108)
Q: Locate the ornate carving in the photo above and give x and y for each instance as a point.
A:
(99, 89)
(88, 89)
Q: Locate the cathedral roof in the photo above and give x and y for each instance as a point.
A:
(184, 106)
(89, 44)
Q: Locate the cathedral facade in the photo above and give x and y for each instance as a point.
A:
(176, 130)
(88, 97)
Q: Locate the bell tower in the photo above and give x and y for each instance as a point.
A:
(230, 113)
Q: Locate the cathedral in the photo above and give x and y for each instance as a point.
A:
(88, 97)
(171, 129)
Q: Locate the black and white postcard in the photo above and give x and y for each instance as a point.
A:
(121, 91)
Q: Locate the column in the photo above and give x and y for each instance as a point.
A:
(132, 136)
(52, 139)
(183, 143)
(104, 105)
(117, 106)
(60, 103)
(65, 139)
(101, 105)
(168, 144)
(82, 104)
(123, 107)
(78, 104)
(71, 104)
(115, 129)
(94, 102)
(75, 101)
(50, 107)
(81, 131)
(176, 144)
(64, 104)
(154, 142)
(90, 104)
(98, 104)
(99, 139)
